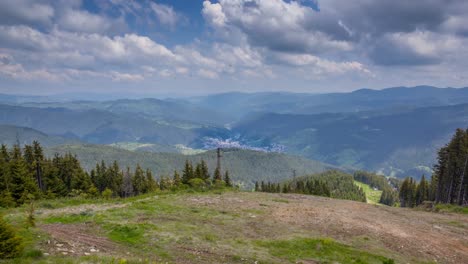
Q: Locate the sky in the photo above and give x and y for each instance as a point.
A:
(191, 47)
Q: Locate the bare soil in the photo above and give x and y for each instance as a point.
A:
(76, 240)
(415, 234)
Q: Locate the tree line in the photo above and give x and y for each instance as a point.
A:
(388, 187)
(26, 174)
(449, 182)
(334, 184)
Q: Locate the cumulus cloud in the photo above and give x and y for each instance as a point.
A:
(117, 40)
(274, 24)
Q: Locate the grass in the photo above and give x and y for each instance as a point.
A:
(373, 196)
(451, 208)
(323, 250)
(187, 227)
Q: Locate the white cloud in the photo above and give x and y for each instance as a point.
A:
(209, 74)
(321, 66)
(213, 13)
(83, 21)
(165, 14)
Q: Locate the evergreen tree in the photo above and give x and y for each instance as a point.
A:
(10, 245)
(187, 173)
(127, 184)
(139, 180)
(217, 177)
(205, 174)
(451, 170)
(257, 188)
(227, 179)
(422, 191)
(151, 184)
(176, 179)
(22, 181)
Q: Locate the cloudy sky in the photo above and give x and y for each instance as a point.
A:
(186, 47)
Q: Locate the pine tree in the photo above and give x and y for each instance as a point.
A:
(22, 181)
(205, 174)
(187, 173)
(127, 184)
(151, 184)
(217, 177)
(227, 179)
(10, 245)
(257, 188)
(139, 181)
(176, 179)
(422, 191)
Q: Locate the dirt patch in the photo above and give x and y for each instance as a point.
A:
(408, 233)
(76, 240)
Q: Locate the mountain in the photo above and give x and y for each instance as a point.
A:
(245, 166)
(104, 127)
(395, 144)
(173, 111)
(390, 99)
(10, 135)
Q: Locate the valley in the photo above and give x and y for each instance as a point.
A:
(395, 131)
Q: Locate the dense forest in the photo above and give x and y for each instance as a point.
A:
(332, 183)
(449, 181)
(26, 174)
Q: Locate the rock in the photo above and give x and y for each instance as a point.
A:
(59, 245)
(93, 250)
(87, 253)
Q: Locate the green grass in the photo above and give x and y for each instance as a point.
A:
(323, 250)
(451, 208)
(373, 196)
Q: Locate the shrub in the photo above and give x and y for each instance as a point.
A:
(107, 193)
(10, 244)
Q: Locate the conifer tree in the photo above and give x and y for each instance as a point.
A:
(257, 188)
(22, 182)
(187, 173)
(139, 180)
(217, 177)
(127, 184)
(422, 191)
(10, 245)
(151, 184)
(227, 179)
(176, 179)
(205, 174)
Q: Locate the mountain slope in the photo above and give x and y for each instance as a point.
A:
(103, 127)
(10, 135)
(394, 143)
(245, 166)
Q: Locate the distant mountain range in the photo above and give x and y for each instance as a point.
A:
(395, 131)
(391, 99)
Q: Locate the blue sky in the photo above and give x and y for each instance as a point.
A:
(188, 47)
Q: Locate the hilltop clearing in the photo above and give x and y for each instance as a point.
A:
(241, 227)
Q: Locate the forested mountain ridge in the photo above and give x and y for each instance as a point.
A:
(245, 166)
(103, 127)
